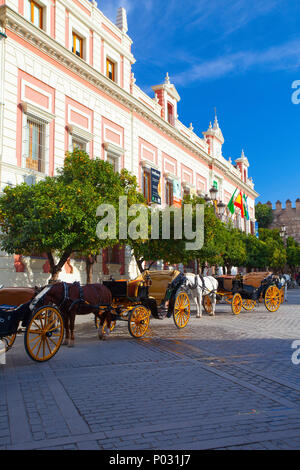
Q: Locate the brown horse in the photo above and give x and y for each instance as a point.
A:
(74, 299)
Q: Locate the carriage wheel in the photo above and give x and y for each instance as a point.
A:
(207, 304)
(236, 304)
(272, 298)
(249, 304)
(182, 310)
(44, 334)
(10, 341)
(138, 321)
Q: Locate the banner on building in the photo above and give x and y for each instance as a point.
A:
(176, 193)
(155, 186)
(256, 230)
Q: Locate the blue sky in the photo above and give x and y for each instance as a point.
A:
(238, 56)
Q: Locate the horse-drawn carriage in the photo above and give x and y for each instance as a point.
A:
(153, 292)
(42, 327)
(44, 314)
(247, 291)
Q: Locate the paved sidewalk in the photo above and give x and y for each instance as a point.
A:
(223, 382)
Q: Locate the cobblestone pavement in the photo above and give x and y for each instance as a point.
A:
(224, 382)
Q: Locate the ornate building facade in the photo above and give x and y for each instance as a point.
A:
(66, 80)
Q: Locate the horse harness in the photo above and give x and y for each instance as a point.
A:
(202, 287)
(79, 300)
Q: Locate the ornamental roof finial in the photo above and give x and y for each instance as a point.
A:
(216, 123)
(167, 79)
(121, 22)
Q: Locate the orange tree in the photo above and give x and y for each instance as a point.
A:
(173, 250)
(109, 185)
(57, 216)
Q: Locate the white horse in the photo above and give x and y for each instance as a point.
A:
(200, 286)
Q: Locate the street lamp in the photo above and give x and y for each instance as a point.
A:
(213, 193)
(221, 209)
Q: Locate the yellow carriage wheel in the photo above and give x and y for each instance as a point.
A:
(249, 304)
(10, 341)
(236, 304)
(207, 304)
(138, 321)
(44, 334)
(182, 310)
(272, 298)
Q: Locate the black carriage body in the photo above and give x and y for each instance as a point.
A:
(248, 291)
(10, 318)
(119, 292)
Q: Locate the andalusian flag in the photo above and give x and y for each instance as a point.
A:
(230, 204)
(240, 204)
(246, 206)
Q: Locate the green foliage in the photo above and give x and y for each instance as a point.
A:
(257, 256)
(58, 215)
(263, 215)
(234, 247)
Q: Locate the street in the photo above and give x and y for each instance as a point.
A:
(224, 382)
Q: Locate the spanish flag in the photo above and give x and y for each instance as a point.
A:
(239, 203)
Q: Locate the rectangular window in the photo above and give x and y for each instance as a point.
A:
(186, 191)
(113, 255)
(110, 69)
(113, 161)
(171, 119)
(169, 193)
(79, 144)
(77, 47)
(36, 14)
(35, 155)
(147, 185)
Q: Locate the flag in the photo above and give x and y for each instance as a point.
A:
(230, 204)
(239, 203)
(246, 206)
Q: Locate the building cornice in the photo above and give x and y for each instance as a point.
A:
(38, 38)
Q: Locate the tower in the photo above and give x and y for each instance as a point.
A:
(242, 164)
(167, 96)
(215, 139)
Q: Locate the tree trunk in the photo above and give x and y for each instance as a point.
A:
(56, 268)
(139, 263)
(228, 268)
(89, 263)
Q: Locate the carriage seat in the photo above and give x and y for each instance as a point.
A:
(16, 295)
(255, 279)
(160, 281)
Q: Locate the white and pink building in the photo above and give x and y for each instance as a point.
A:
(66, 80)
